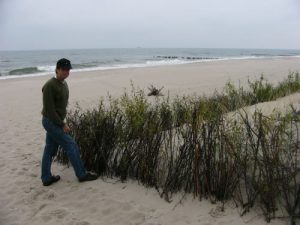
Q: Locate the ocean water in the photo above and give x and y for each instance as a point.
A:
(37, 63)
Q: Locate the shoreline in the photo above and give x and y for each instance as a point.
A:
(147, 65)
(42, 62)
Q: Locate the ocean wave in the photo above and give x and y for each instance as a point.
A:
(174, 61)
(118, 64)
(278, 54)
(84, 65)
(46, 68)
(184, 57)
(26, 70)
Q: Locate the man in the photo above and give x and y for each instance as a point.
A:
(55, 101)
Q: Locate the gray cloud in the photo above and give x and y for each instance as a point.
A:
(55, 24)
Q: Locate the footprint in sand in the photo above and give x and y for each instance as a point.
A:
(36, 193)
(50, 196)
(29, 189)
(59, 213)
(54, 214)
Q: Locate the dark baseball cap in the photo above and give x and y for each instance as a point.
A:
(63, 64)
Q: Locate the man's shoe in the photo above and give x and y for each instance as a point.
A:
(88, 177)
(53, 179)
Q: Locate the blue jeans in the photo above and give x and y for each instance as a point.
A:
(55, 137)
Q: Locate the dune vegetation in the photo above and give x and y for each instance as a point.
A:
(209, 147)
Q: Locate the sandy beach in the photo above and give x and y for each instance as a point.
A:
(24, 200)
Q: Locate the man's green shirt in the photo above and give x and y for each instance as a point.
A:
(55, 100)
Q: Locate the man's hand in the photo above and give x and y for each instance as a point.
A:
(66, 128)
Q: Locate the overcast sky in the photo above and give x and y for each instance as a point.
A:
(65, 24)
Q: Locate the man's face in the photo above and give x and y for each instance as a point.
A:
(62, 73)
